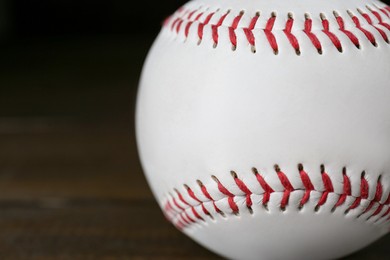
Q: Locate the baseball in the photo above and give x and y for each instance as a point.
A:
(264, 126)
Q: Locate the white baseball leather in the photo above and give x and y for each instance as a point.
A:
(209, 112)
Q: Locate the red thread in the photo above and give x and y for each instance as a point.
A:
(291, 37)
(233, 205)
(250, 36)
(231, 196)
(386, 213)
(369, 20)
(169, 206)
(368, 34)
(192, 194)
(189, 218)
(205, 211)
(383, 10)
(364, 189)
(181, 218)
(328, 189)
(245, 189)
(377, 198)
(270, 36)
(267, 189)
(388, 200)
(189, 17)
(378, 210)
(309, 187)
(181, 198)
(191, 14)
(186, 221)
(205, 192)
(313, 38)
(248, 200)
(179, 26)
(196, 214)
(232, 29)
(347, 191)
(198, 17)
(175, 23)
(356, 203)
(224, 191)
(336, 42)
(216, 208)
(288, 188)
(201, 25)
(350, 35)
(187, 30)
(166, 21)
(176, 204)
(215, 27)
(380, 20)
(242, 186)
(249, 31)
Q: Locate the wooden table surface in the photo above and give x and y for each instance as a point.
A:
(71, 185)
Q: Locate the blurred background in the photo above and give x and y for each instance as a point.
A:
(71, 186)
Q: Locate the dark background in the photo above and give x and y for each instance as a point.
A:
(71, 186)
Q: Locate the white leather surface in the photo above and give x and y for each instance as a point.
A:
(206, 111)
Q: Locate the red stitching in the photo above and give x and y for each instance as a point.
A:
(377, 198)
(180, 216)
(383, 10)
(368, 34)
(226, 192)
(288, 188)
(309, 187)
(188, 17)
(328, 185)
(191, 14)
(201, 25)
(181, 198)
(215, 27)
(380, 20)
(244, 189)
(175, 23)
(176, 204)
(313, 38)
(347, 190)
(264, 185)
(249, 31)
(350, 35)
(232, 30)
(207, 195)
(191, 193)
(336, 42)
(196, 214)
(270, 36)
(364, 189)
(292, 39)
(369, 20)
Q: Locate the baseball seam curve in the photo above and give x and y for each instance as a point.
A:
(185, 211)
(183, 20)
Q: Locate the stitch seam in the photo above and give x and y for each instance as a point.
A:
(190, 18)
(179, 215)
